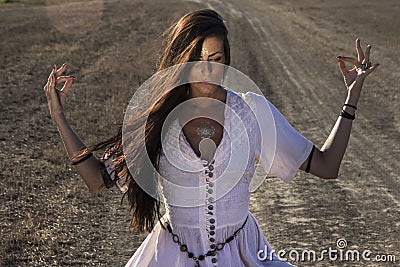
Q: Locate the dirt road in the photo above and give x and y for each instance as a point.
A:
(288, 48)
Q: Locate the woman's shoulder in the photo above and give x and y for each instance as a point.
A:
(253, 99)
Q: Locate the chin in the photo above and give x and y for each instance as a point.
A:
(205, 88)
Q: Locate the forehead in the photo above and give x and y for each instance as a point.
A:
(212, 44)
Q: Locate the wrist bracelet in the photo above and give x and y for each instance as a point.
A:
(82, 159)
(347, 115)
(309, 160)
(350, 105)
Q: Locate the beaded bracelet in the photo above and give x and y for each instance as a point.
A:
(82, 159)
(347, 115)
(350, 105)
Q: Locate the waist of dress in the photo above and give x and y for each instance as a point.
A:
(224, 212)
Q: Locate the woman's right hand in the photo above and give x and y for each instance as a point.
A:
(56, 98)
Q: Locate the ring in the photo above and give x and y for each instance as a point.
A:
(366, 65)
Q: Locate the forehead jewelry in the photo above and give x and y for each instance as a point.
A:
(204, 52)
(205, 130)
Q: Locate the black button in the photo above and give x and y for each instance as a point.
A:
(212, 227)
(211, 167)
(212, 239)
(212, 246)
(210, 174)
(210, 191)
(212, 233)
(210, 199)
(210, 184)
(201, 257)
(214, 260)
(209, 253)
(212, 220)
(210, 207)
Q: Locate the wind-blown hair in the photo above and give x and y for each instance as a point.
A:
(183, 44)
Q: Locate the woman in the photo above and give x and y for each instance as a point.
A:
(217, 229)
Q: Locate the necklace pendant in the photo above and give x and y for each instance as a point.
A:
(205, 130)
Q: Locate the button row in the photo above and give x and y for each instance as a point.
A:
(211, 199)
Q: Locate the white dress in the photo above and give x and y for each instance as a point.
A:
(204, 211)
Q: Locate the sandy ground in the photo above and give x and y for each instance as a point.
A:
(288, 48)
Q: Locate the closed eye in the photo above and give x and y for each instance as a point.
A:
(216, 59)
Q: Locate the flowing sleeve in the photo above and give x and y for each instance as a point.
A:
(109, 174)
(281, 149)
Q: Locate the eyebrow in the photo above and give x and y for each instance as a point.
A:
(213, 54)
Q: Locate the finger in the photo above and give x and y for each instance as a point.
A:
(367, 53)
(66, 87)
(46, 89)
(351, 60)
(50, 81)
(371, 69)
(51, 73)
(61, 69)
(360, 52)
(342, 67)
(62, 79)
(51, 87)
(48, 85)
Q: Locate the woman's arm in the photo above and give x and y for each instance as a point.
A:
(88, 169)
(325, 162)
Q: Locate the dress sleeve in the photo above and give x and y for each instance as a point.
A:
(109, 175)
(283, 157)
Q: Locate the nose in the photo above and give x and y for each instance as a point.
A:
(206, 68)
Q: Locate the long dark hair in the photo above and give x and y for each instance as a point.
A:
(183, 44)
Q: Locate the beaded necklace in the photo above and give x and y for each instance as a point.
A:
(213, 252)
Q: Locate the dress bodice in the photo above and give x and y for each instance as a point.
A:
(195, 190)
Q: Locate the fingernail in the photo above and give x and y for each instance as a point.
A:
(63, 65)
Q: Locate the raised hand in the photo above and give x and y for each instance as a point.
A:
(354, 78)
(56, 98)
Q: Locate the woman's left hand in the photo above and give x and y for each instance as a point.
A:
(354, 78)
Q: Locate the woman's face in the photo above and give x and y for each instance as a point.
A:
(205, 73)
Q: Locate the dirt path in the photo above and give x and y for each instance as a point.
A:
(295, 51)
(47, 217)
